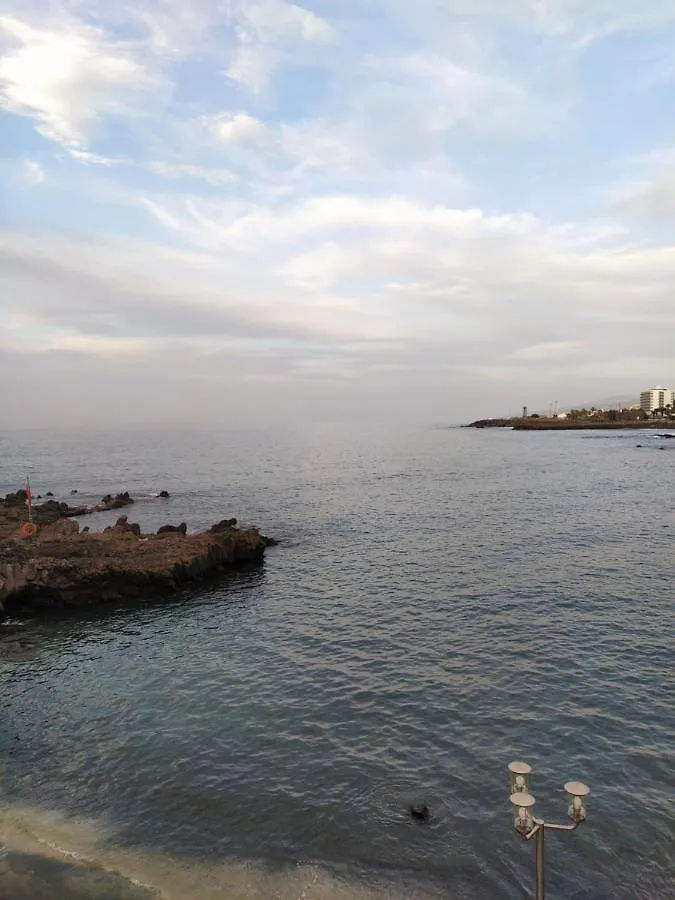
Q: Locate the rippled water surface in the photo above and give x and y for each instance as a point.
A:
(443, 601)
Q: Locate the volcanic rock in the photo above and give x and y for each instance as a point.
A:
(173, 529)
(57, 571)
(119, 501)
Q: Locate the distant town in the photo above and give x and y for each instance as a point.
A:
(656, 407)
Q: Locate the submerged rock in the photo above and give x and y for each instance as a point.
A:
(419, 811)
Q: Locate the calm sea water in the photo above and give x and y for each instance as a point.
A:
(444, 601)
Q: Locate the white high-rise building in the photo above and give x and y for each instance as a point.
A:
(656, 398)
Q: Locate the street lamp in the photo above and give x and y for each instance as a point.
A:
(528, 826)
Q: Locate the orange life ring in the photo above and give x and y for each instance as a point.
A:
(29, 529)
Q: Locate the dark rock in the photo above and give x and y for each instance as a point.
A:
(39, 496)
(49, 494)
(74, 491)
(17, 499)
(419, 812)
(123, 526)
(638, 445)
(223, 525)
(173, 529)
(117, 502)
(270, 542)
(164, 494)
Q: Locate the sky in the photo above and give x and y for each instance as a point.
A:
(335, 210)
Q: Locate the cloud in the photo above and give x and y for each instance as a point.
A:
(338, 203)
(68, 77)
(235, 128)
(216, 177)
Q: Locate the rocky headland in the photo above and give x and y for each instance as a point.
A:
(540, 423)
(63, 566)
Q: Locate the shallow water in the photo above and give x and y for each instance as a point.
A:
(443, 601)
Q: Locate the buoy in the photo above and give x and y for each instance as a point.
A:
(29, 529)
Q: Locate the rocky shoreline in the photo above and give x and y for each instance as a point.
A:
(63, 566)
(544, 424)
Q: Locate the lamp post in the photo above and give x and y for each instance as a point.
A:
(529, 827)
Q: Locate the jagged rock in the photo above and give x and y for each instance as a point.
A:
(270, 542)
(223, 525)
(49, 494)
(51, 510)
(173, 529)
(123, 526)
(17, 499)
(117, 502)
(86, 569)
(164, 494)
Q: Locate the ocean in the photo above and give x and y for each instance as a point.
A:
(443, 601)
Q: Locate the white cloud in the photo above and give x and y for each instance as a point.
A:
(252, 64)
(275, 20)
(216, 177)
(237, 128)
(67, 77)
(174, 170)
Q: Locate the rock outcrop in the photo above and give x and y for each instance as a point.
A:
(13, 513)
(62, 568)
(173, 529)
(119, 501)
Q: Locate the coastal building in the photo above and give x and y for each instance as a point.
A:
(656, 398)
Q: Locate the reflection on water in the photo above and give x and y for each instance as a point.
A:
(510, 597)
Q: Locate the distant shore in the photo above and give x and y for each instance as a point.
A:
(541, 423)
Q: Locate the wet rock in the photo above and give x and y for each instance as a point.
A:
(74, 491)
(164, 494)
(173, 529)
(16, 499)
(93, 568)
(119, 501)
(49, 494)
(419, 812)
(270, 542)
(223, 525)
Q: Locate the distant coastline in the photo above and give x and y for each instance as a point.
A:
(531, 423)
